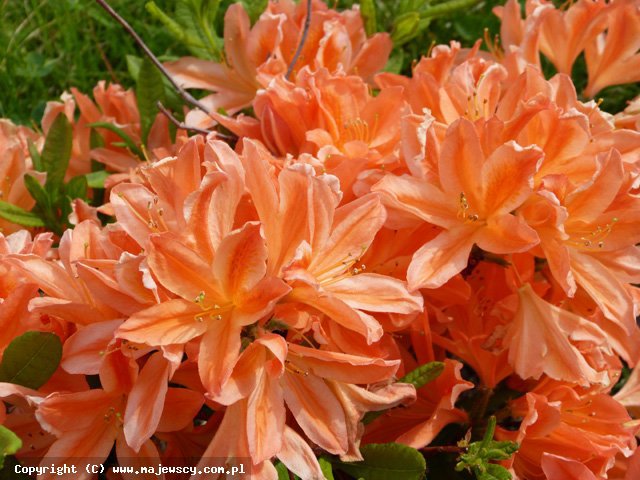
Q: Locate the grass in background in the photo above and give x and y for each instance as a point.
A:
(47, 46)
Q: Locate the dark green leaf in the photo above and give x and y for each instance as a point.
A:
(96, 179)
(10, 443)
(56, 153)
(149, 91)
(31, 359)
(19, 216)
(389, 461)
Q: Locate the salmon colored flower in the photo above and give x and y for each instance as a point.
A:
(255, 55)
(126, 410)
(215, 300)
(418, 424)
(612, 57)
(316, 246)
(591, 430)
(471, 199)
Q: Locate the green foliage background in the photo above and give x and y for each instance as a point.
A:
(48, 46)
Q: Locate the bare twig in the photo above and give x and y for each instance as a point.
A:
(443, 449)
(181, 91)
(184, 126)
(177, 122)
(303, 39)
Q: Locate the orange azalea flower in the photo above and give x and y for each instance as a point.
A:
(15, 163)
(255, 55)
(88, 423)
(471, 199)
(564, 34)
(613, 58)
(316, 245)
(418, 424)
(216, 300)
(318, 387)
(587, 236)
(591, 430)
(546, 339)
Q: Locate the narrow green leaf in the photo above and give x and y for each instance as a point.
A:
(173, 27)
(77, 187)
(38, 193)
(31, 359)
(56, 153)
(128, 141)
(133, 65)
(423, 374)
(96, 179)
(389, 461)
(149, 91)
(446, 8)
(326, 468)
(10, 443)
(35, 155)
(368, 12)
(283, 473)
(19, 216)
(405, 27)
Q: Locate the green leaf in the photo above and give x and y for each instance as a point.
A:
(19, 216)
(405, 27)
(368, 12)
(149, 91)
(35, 155)
(31, 359)
(423, 374)
(283, 473)
(395, 62)
(77, 187)
(389, 461)
(38, 193)
(418, 378)
(480, 454)
(10, 443)
(56, 153)
(128, 141)
(96, 179)
(326, 468)
(133, 65)
(254, 8)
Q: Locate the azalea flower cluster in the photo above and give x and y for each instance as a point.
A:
(255, 299)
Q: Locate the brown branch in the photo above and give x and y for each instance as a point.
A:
(177, 122)
(181, 91)
(184, 126)
(443, 449)
(303, 39)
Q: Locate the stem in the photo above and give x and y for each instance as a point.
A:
(182, 92)
(303, 39)
(177, 123)
(446, 8)
(443, 449)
